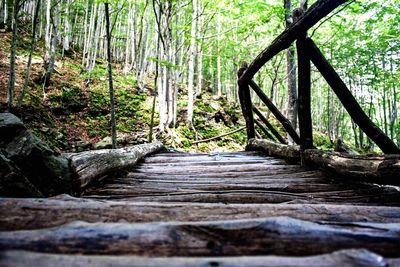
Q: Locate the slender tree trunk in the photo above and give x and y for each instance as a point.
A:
(110, 79)
(191, 64)
(11, 81)
(33, 46)
(2, 14)
(219, 86)
(67, 27)
(9, 14)
(291, 72)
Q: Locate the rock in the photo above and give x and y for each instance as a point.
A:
(82, 145)
(215, 106)
(13, 183)
(106, 142)
(48, 172)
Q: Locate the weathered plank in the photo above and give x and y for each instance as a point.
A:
(276, 235)
(343, 258)
(43, 213)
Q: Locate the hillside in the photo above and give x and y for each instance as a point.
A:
(72, 114)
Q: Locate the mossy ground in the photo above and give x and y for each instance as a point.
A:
(72, 110)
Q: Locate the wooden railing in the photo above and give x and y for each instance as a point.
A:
(307, 52)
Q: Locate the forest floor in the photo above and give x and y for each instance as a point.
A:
(72, 113)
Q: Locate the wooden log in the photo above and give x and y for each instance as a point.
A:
(265, 131)
(276, 235)
(219, 136)
(269, 126)
(290, 152)
(349, 102)
(245, 103)
(315, 13)
(343, 258)
(379, 169)
(25, 214)
(304, 94)
(278, 115)
(90, 165)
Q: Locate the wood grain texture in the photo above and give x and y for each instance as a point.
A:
(343, 258)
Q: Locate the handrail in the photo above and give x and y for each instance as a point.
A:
(278, 115)
(311, 17)
(307, 51)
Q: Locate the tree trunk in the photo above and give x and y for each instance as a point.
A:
(11, 81)
(33, 46)
(110, 80)
(291, 73)
(192, 51)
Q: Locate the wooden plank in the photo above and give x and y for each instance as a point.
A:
(315, 13)
(349, 102)
(217, 238)
(359, 197)
(343, 258)
(33, 213)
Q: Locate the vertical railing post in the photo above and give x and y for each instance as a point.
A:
(245, 103)
(304, 91)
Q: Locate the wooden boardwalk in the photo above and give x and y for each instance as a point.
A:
(221, 209)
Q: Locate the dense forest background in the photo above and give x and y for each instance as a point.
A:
(185, 55)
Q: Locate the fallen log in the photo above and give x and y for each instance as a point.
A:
(343, 258)
(378, 169)
(25, 214)
(90, 165)
(216, 238)
(28, 167)
(290, 152)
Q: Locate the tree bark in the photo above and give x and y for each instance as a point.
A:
(33, 46)
(11, 81)
(91, 165)
(290, 152)
(36, 213)
(211, 238)
(291, 72)
(192, 51)
(344, 258)
(380, 169)
(110, 80)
